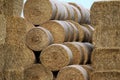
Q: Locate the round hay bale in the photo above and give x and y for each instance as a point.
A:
(56, 56)
(76, 32)
(38, 38)
(84, 33)
(73, 72)
(16, 57)
(70, 31)
(70, 11)
(13, 74)
(82, 11)
(37, 72)
(58, 30)
(39, 11)
(76, 52)
(87, 49)
(77, 14)
(89, 70)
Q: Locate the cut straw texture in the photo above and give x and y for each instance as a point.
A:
(37, 72)
(11, 7)
(39, 12)
(105, 14)
(56, 56)
(108, 75)
(38, 38)
(13, 74)
(73, 72)
(106, 59)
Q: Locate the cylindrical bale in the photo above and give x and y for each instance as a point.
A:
(16, 57)
(38, 38)
(84, 33)
(58, 30)
(11, 7)
(70, 11)
(89, 70)
(62, 13)
(15, 30)
(91, 30)
(106, 75)
(87, 50)
(73, 72)
(76, 52)
(56, 56)
(14, 74)
(39, 11)
(75, 31)
(70, 31)
(77, 14)
(84, 13)
(37, 72)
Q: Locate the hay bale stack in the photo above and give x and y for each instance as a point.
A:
(73, 72)
(58, 29)
(38, 38)
(37, 72)
(11, 7)
(16, 26)
(105, 18)
(15, 56)
(56, 56)
(84, 33)
(106, 59)
(87, 50)
(13, 74)
(76, 52)
(85, 15)
(108, 75)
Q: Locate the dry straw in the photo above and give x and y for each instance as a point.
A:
(56, 56)
(38, 38)
(104, 59)
(75, 72)
(106, 75)
(37, 72)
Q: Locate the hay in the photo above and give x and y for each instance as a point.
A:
(56, 56)
(38, 38)
(58, 29)
(11, 7)
(73, 72)
(15, 57)
(104, 59)
(89, 70)
(85, 15)
(87, 50)
(76, 52)
(13, 74)
(105, 14)
(108, 75)
(37, 72)
(84, 33)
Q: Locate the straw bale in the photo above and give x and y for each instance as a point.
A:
(38, 38)
(37, 72)
(58, 29)
(11, 7)
(104, 59)
(56, 56)
(76, 52)
(105, 14)
(73, 72)
(106, 75)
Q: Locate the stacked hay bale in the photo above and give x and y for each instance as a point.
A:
(14, 54)
(105, 17)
